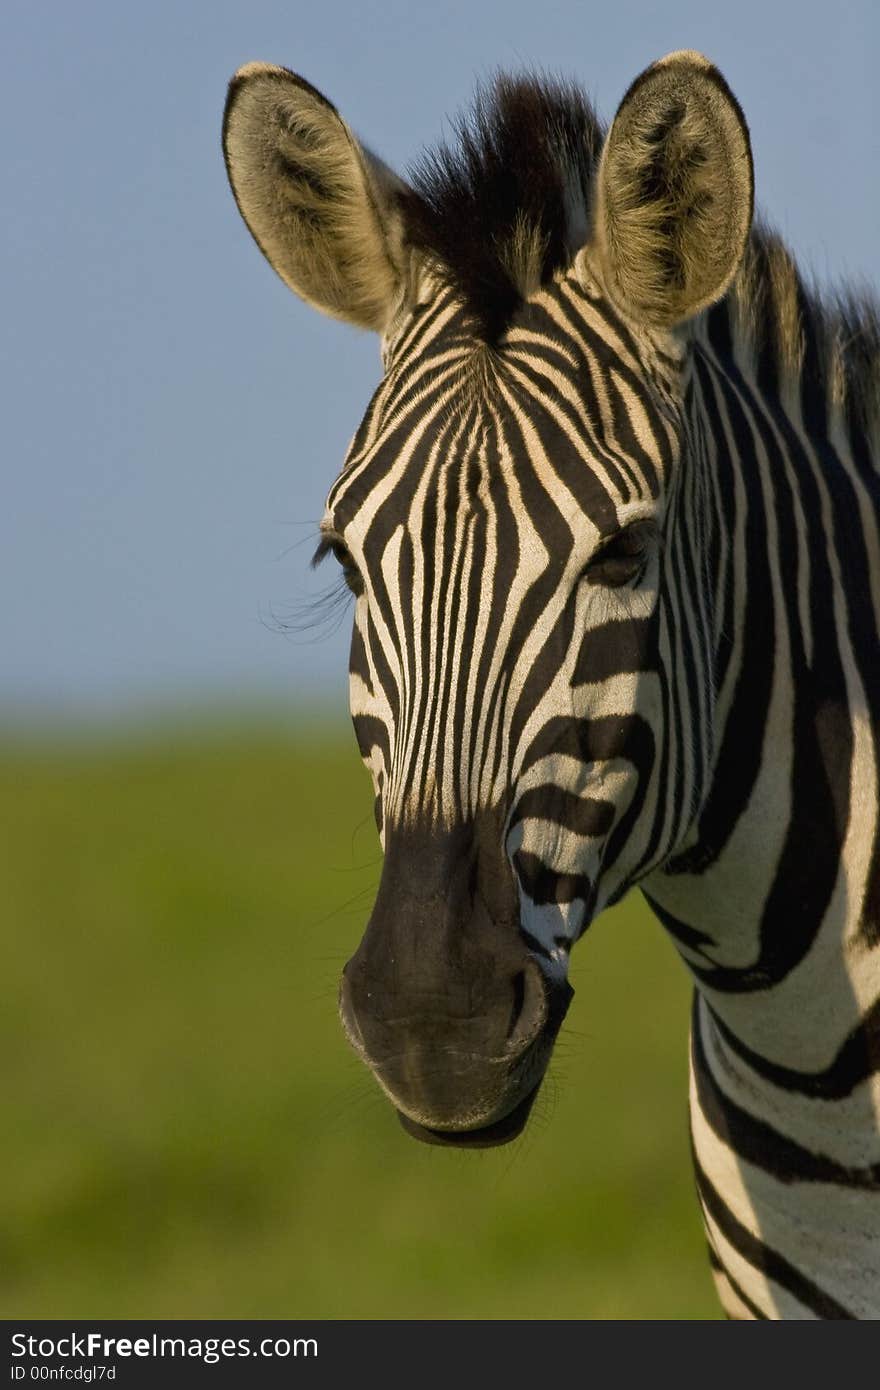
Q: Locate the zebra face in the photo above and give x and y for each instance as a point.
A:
(501, 525)
(510, 520)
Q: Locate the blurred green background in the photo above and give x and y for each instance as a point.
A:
(186, 1133)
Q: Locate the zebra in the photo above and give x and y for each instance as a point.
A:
(611, 526)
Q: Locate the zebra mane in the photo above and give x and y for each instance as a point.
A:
(825, 343)
(507, 204)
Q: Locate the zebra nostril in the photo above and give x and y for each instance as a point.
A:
(528, 1012)
(519, 995)
(473, 879)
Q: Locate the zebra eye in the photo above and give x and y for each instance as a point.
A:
(329, 545)
(622, 558)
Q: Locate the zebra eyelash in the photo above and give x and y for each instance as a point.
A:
(323, 549)
(623, 558)
(331, 545)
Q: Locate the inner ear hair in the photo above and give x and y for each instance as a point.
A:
(320, 207)
(675, 192)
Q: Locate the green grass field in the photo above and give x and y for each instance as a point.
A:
(185, 1133)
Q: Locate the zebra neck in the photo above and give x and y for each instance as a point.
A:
(774, 897)
(797, 1231)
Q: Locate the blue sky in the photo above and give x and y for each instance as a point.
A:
(172, 415)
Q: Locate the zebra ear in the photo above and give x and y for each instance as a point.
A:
(675, 192)
(320, 207)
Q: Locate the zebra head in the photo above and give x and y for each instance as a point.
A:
(521, 518)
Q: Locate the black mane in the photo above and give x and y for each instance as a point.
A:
(509, 203)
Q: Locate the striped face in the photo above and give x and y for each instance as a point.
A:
(508, 520)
